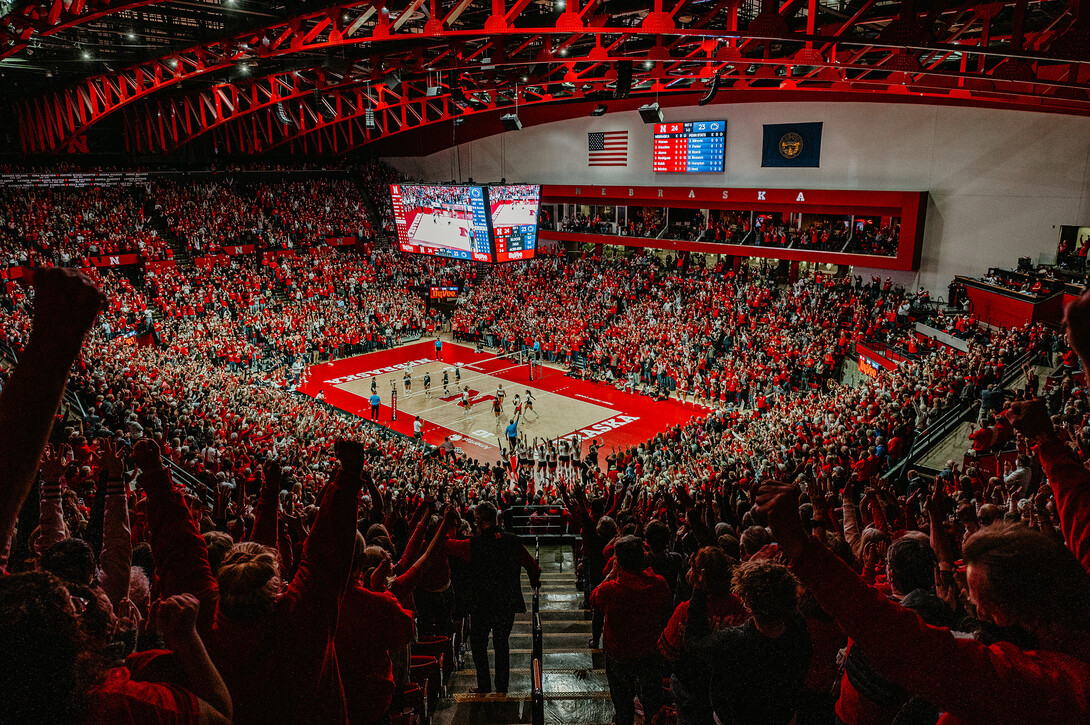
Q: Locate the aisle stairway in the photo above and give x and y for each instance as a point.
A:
(574, 679)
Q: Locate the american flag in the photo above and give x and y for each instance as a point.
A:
(607, 148)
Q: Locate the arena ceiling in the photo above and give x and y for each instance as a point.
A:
(312, 76)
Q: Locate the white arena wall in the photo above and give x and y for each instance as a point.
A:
(1001, 182)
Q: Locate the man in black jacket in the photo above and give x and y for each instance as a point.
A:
(496, 559)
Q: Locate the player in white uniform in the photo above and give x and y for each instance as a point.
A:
(551, 459)
(467, 401)
(500, 395)
(530, 405)
(564, 458)
(539, 462)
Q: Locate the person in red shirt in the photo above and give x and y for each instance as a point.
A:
(1015, 577)
(61, 676)
(373, 628)
(710, 577)
(272, 643)
(635, 602)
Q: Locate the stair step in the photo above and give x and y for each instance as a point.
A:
(498, 710)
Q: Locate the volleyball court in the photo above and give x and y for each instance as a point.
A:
(561, 406)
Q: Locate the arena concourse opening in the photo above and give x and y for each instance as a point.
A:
(497, 363)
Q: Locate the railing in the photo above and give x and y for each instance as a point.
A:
(949, 422)
(537, 692)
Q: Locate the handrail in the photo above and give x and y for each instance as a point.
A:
(949, 421)
(537, 694)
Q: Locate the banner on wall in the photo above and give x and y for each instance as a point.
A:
(795, 145)
(269, 258)
(212, 260)
(240, 249)
(340, 241)
(115, 260)
(156, 266)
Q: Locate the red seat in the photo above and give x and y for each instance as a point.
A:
(442, 648)
(426, 671)
(415, 704)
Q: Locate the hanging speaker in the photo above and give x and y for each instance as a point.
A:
(369, 119)
(624, 79)
(651, 113)
(712, 90)
(282, 115)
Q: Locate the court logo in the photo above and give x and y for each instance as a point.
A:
(790, 145)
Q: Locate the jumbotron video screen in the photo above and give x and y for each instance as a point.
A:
(483, 223)
(444, 221)
(514, 220)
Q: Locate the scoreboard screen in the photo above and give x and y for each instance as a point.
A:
(691, 147)
(514, 220)
(444, 221)
(479, 223)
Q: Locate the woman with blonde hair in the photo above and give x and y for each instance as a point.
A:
(271, 640)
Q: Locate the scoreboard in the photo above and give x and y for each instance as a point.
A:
(695, 146)
(515, 242)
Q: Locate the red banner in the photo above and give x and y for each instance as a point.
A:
(13, 272)
(340, 241)
(115, 260)
(240, 249)
(270, 257)
(212, 260)
(156, 266)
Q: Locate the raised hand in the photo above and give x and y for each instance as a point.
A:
(175, 617)
(273, 474)
(1030, 418)
(113, 458)
(350, 454)
(146, 455)
(53, 464)
(66, 302)
(778, 502)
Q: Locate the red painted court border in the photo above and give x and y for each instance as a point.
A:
(638, 416)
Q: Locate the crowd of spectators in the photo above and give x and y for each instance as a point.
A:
(205, 216)
(68, 226)
(376, 176)
(739, 552)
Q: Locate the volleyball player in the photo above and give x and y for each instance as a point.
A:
(563, 455)
(407, 379)
(457, 372)
(467, 400)
(538, 470)
(446, 382)
(525, 458)
(500, 395)
(518, 407)
(551, 459)
(530, 404)
(427, 385)
(497, 410)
